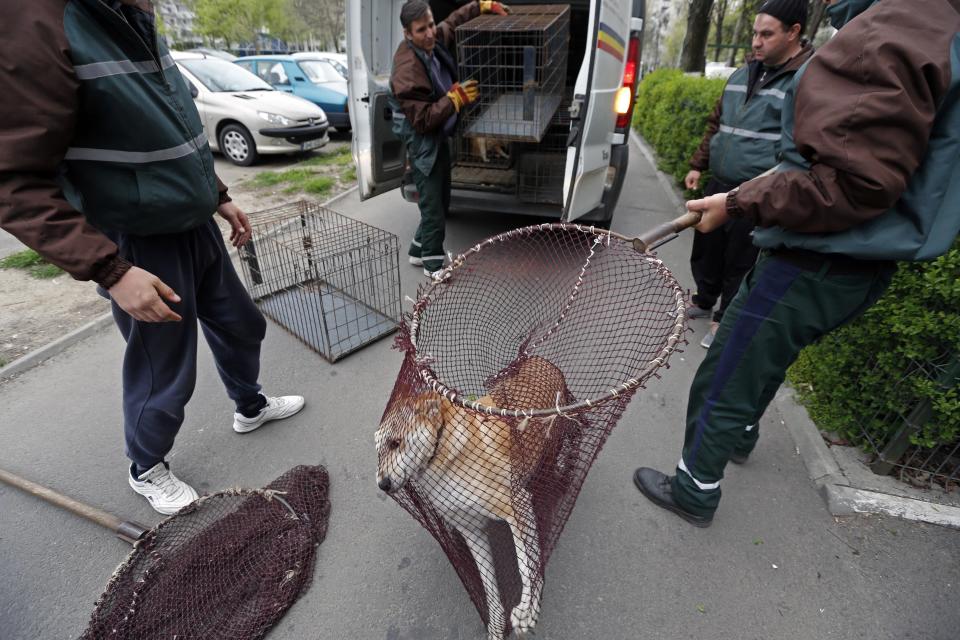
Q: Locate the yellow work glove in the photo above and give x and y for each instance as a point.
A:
(463, 94)
(487, 6)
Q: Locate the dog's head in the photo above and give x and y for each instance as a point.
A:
(407, 439)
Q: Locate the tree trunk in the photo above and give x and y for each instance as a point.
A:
(817, 13)
(693, 57)
(721, 14)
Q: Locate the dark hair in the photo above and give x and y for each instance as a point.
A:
(412, 10)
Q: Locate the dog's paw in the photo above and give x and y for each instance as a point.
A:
(524, 619)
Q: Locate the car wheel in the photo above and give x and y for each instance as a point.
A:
(237, 144)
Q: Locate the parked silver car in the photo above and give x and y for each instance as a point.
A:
(244, 116)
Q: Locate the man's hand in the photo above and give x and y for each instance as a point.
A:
(240, 230)
(141, 294)
(692, 181)
(462, 94)
(486, 6)
(714, 210)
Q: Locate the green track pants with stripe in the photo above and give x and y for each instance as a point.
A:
(434, 203)
(779, 309)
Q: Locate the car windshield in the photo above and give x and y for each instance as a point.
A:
(220, 75)
(319, 71)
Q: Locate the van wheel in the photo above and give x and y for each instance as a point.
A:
(237, 144)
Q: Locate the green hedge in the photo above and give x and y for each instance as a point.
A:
(671, 114)
(860, 379)
(869, 374)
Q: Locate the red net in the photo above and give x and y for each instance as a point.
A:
(517, 367)
(226, 567)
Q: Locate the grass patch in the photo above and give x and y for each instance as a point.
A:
(31, 262)
(317, 176)
(339, 156)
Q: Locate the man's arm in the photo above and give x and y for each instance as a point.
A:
(39, 103)
(446, 30)
(865, 109)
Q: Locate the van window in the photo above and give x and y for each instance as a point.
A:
(272, 71)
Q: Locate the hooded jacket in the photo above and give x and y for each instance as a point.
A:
(872, 141)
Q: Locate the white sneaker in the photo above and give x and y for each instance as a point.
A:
(438, 275)
(166, 493)
(415, 261)
(277, 409)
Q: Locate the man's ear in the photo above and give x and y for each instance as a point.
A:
(796, 31)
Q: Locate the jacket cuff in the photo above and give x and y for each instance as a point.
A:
(733, 209)
(110, 273)
(222, 196)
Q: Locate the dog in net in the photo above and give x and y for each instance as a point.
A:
(517, 365)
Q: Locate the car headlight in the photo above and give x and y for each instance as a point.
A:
(275, 118)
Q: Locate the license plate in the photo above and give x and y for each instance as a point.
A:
(312, 144)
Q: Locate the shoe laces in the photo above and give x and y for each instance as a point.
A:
(167, 483)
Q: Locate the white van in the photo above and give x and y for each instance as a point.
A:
(587, 143)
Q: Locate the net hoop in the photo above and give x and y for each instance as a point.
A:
(600, 236)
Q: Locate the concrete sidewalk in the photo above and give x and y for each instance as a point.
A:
(775, 565)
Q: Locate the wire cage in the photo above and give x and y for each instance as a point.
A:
(331, 281)
(520, 62)
(908, 406)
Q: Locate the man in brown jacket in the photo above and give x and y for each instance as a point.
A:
(870, 175)
(106, 172)
(427, 98)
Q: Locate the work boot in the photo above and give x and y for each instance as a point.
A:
(276, 409)
(657, 487)
(166, 493)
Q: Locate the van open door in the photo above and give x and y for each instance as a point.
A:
(602, 103)
(373, 33)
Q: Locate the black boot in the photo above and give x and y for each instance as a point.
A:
(656, 486)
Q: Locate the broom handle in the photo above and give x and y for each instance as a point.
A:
(127, 531)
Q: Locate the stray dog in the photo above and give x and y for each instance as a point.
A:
(483, 148)
(466, 461)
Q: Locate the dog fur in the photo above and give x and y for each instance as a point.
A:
(463, 461)
(483, 148)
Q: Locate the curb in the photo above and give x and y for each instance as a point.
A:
(841, 498)
(33, 358)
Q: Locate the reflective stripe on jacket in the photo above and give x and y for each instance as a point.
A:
(139, 162)
(747, 140)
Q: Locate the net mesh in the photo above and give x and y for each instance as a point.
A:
(226, 567)
(516, 368)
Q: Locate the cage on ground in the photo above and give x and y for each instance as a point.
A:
(520, 63)
(330, 280)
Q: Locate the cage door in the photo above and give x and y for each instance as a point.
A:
(592, 129)
(372, 36)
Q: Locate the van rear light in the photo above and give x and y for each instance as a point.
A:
(623, 102)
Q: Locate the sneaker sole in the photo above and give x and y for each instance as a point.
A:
(696, 521)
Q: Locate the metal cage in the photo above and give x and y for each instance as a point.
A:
(331, 281)
(520, 62)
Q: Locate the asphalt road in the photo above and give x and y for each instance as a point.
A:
(774, 565)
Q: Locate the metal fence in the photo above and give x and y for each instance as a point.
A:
(331, 281)
(896, 450)
(520, 63)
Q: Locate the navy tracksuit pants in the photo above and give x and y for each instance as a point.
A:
(160, 361)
